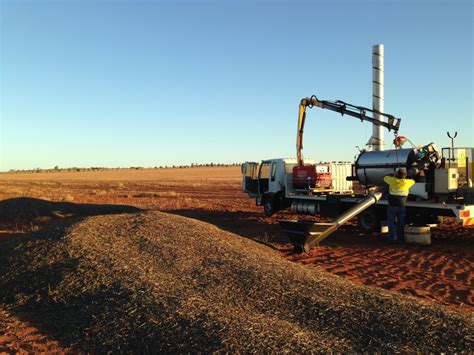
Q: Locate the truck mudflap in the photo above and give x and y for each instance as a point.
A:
(304, 234)
(466, 215)
(468, 221)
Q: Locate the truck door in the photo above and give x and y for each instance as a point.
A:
(264, 177)
(274, 183)
(250, 178)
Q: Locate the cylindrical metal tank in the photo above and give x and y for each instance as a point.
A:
(305, 207)
(372, 167)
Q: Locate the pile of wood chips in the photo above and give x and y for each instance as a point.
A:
(155, 282)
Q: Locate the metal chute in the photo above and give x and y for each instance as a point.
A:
(304, 234)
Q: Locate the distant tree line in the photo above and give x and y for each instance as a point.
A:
(96, 168)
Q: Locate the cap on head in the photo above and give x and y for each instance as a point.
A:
(401, 173)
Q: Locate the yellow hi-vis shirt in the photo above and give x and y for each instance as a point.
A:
(398, 187)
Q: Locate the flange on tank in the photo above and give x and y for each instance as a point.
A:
(372, 167)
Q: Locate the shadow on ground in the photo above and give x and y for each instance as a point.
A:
(255, 226)
(30, 290)
(246, 224)
(26, 209)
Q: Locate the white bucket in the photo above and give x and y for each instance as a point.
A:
(418, 235)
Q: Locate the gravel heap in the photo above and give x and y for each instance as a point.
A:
(155, 282)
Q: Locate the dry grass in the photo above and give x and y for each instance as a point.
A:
(153, 282)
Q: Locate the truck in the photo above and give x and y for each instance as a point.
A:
(344, 190)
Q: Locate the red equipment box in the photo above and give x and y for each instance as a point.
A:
(311, 176)
(304, 177)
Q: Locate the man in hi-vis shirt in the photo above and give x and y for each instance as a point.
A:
(399, 188)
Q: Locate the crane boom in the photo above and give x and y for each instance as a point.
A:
(362, 113)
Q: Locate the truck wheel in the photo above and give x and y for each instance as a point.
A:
(368, 221)
(272, 204)
(268, 208)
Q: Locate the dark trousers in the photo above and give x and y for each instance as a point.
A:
(396, 222)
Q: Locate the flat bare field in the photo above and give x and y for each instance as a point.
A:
(171, 174)
(169, 188)
(441, 273)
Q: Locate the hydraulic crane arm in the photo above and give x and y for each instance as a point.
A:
(362, 113)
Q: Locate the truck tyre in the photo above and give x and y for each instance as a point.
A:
(369, 221)
(272, 204)
(268, 208)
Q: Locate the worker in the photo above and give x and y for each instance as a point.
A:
(399, 188)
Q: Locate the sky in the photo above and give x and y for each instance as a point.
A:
(150, 83)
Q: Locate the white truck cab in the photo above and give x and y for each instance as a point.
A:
(266, 181)
(267, 176)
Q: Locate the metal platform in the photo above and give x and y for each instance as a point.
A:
(305, 235)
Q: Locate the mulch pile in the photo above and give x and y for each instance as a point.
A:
(155, 282)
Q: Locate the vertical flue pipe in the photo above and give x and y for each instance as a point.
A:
(377, 139)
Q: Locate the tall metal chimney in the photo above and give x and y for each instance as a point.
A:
(377, 139)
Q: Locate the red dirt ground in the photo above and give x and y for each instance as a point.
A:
(440, 273)
(18, 337)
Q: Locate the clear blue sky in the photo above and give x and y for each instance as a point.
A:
(146, 83)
